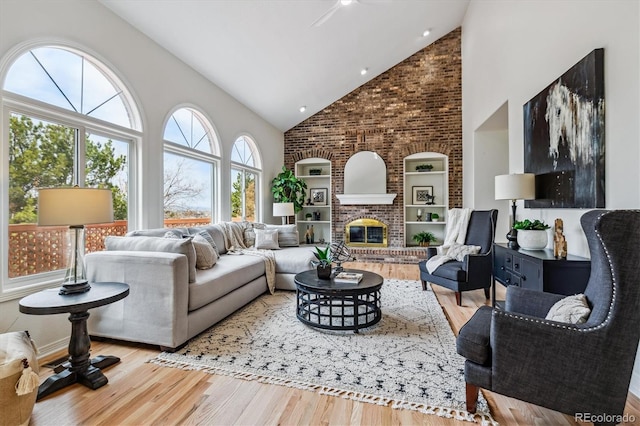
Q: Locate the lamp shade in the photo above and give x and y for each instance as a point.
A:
(517, 186)
(74, 206)
(283, 209)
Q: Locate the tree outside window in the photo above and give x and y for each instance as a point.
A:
(245, 180)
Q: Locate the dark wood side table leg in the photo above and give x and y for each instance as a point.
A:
(80, 368)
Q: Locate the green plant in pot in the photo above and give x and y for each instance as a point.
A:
(323, 265)
(424, 167)
(532, 235)
(424, 238)
(435, 217)
(287, 188)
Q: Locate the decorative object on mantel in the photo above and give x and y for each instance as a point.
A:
(323, 265)
(559, 241)
(564, 138)
(424, 238)
(424, 167)
(517, 186)
(266, 332)
(532, 235)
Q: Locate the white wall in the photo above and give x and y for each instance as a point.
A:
(160, 82)
(511, 50)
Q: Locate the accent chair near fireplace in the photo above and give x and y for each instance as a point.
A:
(475, 271)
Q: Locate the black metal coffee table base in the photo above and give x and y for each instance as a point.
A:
(338, 306)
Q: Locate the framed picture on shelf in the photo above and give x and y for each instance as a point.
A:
(422, 195)
(318, 196)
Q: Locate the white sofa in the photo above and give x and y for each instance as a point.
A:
(163, 307)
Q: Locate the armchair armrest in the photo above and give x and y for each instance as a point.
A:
(431, 251)
(478, 267)
(530, 302)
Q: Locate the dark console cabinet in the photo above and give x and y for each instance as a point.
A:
(539, 270)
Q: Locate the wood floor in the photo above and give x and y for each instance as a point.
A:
(139, 393)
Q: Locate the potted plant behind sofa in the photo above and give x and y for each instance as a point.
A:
(532, 235)
(424, 238)
(287, 188)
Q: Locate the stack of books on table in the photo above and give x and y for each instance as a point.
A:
(348, 277)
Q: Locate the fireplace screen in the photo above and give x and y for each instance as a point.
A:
(366, 233)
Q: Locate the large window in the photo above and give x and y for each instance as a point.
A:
(68, 121)
(245, 180)
(191, 158)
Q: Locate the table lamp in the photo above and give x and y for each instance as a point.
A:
(283, 209)
(74, 207)
(517, 186)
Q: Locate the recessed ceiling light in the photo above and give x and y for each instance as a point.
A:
(346, 2)
(363, 71)
(303, 108)
(426, 33)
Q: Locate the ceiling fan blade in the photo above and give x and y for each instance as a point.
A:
(325, 16)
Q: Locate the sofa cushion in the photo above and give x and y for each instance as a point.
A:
(451, 270)
(249, 232)
(157, 232)
(230, 273)
(206, 256)
(168, 245)
(293, 260)
(287, 235)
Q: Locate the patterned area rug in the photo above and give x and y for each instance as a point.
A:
(407, 360)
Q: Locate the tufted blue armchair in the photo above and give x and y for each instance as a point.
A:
(574, 369)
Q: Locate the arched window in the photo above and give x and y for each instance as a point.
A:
(191, 160)
(245, 180)
(69, 121)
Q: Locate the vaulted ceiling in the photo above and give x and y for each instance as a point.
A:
(276, 56)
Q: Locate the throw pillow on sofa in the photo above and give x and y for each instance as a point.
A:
(206, 256)
(249, 232)
(167, 245)
(287, 235)
(207, 236)
(267, 239)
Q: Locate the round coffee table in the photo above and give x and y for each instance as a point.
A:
(330, 305)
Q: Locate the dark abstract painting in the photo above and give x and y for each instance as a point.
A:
(564, 138)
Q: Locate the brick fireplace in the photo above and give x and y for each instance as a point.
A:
(413, 107)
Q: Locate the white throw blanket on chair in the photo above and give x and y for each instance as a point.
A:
(457, 224)
(234, 243)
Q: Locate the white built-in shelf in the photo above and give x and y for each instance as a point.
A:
(313, 221)
(424, 222)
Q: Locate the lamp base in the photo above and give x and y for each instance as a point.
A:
(74, 288)
(512, 237)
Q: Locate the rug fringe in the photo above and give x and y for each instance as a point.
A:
(447, 412)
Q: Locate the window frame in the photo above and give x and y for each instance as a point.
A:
(256, 169)
(14, 104)
(212, 158)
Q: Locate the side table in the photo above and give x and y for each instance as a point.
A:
(80, 368)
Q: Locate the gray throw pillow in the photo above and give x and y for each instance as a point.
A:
(267, 239)
(249, 232)
(287, 235)
(206, 256)
(207, 236)
(167, 245)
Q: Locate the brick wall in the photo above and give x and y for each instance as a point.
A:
(413, 107)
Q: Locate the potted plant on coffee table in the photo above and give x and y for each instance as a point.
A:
(532, 235)
(424, 238)
(323, 265)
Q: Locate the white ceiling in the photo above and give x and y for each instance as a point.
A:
(270, 56)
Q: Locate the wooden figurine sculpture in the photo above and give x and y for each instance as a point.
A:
(559, 241)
